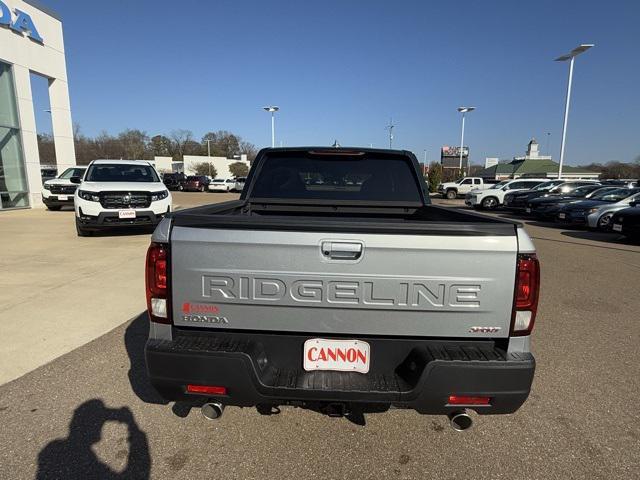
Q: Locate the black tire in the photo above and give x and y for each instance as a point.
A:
(451, 195)
(180, 188)
(489, 203)
(82, 232)
(55, 208)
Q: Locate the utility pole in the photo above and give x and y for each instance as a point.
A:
(209, 153)
(390, 127)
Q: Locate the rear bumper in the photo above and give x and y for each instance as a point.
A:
(266, 369)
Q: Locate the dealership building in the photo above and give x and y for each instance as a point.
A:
(31, 43)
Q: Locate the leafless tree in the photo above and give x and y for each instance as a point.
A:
(180, 137)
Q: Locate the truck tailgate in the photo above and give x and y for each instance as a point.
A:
(332, 283)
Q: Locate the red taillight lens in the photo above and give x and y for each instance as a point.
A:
(157, 269)
(207, 389)
(465, 400)
(526, 294)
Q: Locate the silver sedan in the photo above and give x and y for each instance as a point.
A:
(600, 217)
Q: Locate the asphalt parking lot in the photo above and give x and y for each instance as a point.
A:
(90, 413)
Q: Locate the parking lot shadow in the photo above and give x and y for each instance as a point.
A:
(123, 232)
(73, 456)
(601, 237)
(135, 338)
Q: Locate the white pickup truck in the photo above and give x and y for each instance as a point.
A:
(493, 197)
(333, 284)
(463, 186)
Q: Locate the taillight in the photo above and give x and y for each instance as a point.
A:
(525, 303)
(157, 278)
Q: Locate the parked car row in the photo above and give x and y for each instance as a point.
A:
(593, 205)
(202, 183)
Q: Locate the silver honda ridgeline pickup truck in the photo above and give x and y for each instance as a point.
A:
(333, 284)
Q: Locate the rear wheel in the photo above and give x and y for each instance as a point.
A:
(81, 231)
(55, 208)
(452, 194)
(489, 203)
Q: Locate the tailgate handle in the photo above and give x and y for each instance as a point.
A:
(342, 250)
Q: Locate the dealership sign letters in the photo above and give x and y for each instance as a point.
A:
(22, 23)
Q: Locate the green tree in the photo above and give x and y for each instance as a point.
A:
(222, 143)
(133, 143)
(435, 176)
(205, 168)
(160, 146)
(239, 169)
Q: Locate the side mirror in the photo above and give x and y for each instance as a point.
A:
(634, 203)
(76, 180)
(505, 188)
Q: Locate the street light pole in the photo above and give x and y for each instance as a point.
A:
(571, 57)
(463, 110)
(273, 109)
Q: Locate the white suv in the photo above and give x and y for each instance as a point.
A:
(494, 197)
(58, 192)
(117, 193)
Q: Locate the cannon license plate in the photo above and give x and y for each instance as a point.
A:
(127, 214)
(336, 355)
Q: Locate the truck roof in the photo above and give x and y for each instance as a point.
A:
(336, 150)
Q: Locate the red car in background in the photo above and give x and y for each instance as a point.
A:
(197, 183)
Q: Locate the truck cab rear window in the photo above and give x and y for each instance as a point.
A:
(338, 178)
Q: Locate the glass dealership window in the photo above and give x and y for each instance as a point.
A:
(13, 180)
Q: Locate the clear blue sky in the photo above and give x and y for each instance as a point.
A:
(340, 69)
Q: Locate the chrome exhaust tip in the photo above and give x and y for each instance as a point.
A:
(212, 410)
(460, 420)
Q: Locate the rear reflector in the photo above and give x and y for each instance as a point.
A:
(464, 400)
(527, 289)
(207, 389)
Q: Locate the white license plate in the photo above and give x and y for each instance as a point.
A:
(336, 355)
(63, 197)
(562, 216)
(617, 227)
(127, 214)
(528, 210)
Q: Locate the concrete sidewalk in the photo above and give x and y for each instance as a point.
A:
(59, 291)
